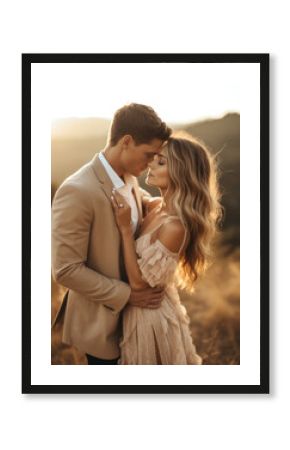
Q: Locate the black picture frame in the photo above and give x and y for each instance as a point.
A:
(263, 61)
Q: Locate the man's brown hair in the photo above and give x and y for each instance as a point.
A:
(139, 121)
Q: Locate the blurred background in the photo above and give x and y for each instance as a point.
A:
(203, 99)
(214, 307)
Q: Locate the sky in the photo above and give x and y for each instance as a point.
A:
(179, 92)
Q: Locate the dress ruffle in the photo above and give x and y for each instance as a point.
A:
(157, 264)
(157, 336)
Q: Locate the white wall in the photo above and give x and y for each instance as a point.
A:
(205, 421)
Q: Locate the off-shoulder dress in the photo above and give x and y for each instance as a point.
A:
(157, 336)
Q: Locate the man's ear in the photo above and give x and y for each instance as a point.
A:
(127, 140)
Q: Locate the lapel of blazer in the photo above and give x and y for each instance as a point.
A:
(107, 185)
(103, 177)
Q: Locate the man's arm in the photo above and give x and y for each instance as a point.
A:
(71, 221)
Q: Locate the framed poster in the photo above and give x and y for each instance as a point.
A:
(212, 340)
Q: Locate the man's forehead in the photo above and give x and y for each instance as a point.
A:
(161, 147)
(157, 143)
(155, 148)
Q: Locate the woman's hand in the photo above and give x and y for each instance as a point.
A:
(152, 203)
(122, 212)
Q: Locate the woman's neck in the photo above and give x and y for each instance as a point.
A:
(166, 203)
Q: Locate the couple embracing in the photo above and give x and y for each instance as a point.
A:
(122, 254)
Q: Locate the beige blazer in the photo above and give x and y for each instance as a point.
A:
(87, 259)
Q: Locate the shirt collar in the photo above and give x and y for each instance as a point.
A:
(116, 180)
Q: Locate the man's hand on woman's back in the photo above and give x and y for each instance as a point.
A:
(147, 298)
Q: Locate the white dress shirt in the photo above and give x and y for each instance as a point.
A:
(124, 189)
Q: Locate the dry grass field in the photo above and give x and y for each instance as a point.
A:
(214, 311)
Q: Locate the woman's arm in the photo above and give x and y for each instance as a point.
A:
(130, 257)
(170, 235)
(123, 219)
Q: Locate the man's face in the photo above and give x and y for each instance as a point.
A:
(135, 158)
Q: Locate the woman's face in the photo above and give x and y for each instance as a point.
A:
(158, 171)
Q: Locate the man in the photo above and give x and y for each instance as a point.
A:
(86, 245)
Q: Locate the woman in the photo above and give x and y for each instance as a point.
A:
(171, 250)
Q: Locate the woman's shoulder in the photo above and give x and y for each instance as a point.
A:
(171, 233)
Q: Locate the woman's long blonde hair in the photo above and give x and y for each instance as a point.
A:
(195, 198)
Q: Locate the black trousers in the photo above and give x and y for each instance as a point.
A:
(93, 360)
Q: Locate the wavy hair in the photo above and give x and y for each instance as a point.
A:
(195, 197)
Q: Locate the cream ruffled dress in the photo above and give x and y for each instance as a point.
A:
(157, 336)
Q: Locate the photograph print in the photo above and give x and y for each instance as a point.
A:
(149, 221)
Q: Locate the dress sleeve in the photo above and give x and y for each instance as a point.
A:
(157, 264)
